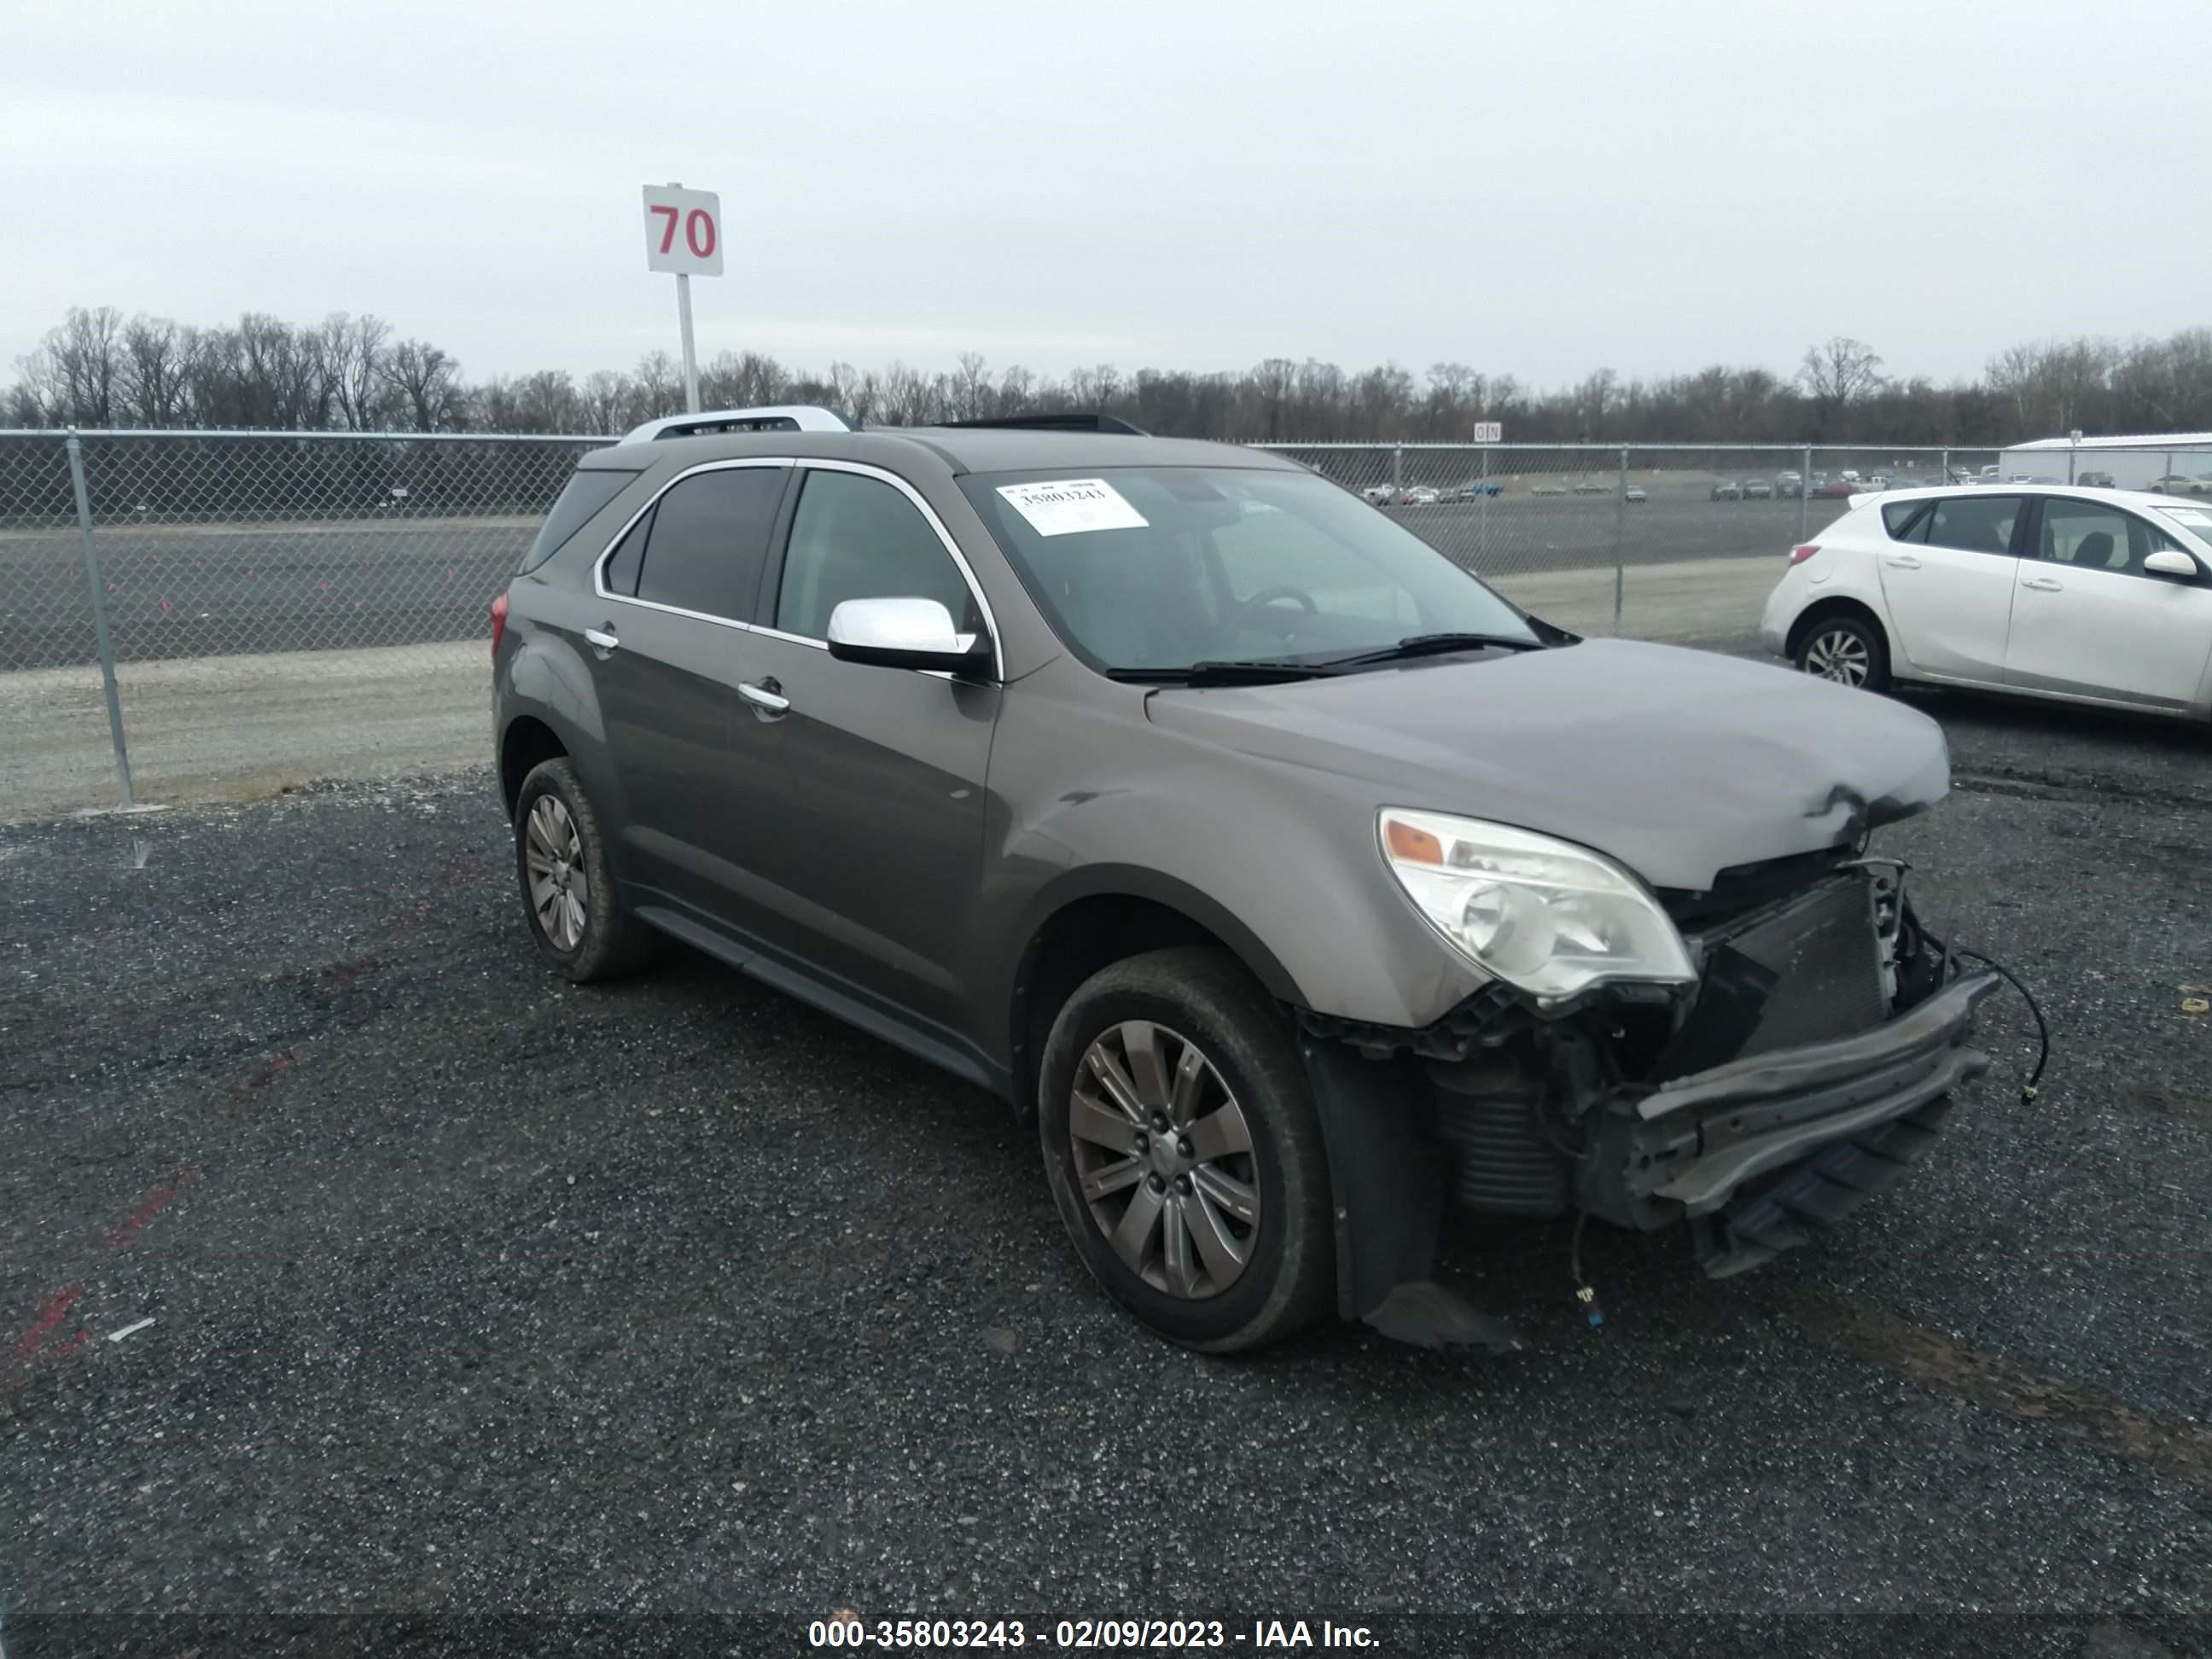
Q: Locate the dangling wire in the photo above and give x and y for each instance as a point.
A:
(2042, 1030)
(1584, 1293)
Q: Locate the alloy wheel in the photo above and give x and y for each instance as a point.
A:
(1840, 655)
(560, 890)
(1164, 1159)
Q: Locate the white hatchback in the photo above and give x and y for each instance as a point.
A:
(2098, 596)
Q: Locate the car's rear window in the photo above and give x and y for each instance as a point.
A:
(588, 490)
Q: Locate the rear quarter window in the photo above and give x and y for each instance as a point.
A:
(588, 490)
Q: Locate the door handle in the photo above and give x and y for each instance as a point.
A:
(1901, 561)
(600, 639)
(767, 697)
(2043, 584)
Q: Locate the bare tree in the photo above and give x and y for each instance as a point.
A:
(154, 392)
(659, 386)
(1837, 375)
(604, 399)
(352, 357)
(427, 383)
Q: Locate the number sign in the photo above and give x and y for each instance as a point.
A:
(683, 231)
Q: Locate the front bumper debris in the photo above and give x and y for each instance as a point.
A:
(1697, 1138)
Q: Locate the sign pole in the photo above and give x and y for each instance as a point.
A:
(683, 321)
(690, 352)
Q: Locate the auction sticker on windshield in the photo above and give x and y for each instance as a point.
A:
(1064, 505)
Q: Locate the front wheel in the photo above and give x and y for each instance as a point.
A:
(1184, 1150)
(1848, 650)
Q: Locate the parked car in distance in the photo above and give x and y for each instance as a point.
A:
(1848, 475)
(1473, 489)
(1547, 488)
(1789, 484)
(1380, 494)
(1839, 488)
(2044, 590)
(2175, 483)
(2094, 480)
(1727, 489)
(1289, 884)
(1593, 487)
(1758, 489)
(1635, 493)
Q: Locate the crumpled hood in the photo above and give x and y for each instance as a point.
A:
(1679, 763)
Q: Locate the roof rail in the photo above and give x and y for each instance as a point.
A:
(1071, 422)
(781, 417)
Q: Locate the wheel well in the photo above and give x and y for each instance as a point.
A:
(526, 744)
(1074, 943)
(1837, 607)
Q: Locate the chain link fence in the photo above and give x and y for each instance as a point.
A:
(232, 610)
(281, 606)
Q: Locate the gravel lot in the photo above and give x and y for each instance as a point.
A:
(473, 1293)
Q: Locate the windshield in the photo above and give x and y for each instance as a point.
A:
(1157, 568)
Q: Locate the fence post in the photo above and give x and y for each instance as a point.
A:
(1397, 472)
(1805, 496)
(100, 620)
(1619, 535)
(1943, 476)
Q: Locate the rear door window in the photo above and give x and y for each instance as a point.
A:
(1907, 522)
(709, 540)
(1974, 524)
(588, 490)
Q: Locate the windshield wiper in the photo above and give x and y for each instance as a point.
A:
(1260, 673)
(1434, 645)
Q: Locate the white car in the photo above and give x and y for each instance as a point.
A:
(2098, 596)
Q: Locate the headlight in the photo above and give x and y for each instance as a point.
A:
(1546, 915)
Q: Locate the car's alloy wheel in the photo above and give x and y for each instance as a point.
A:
(1164, 1159)
(568, 891)
(1184, 1152)
(559, 887)
(1839, 654)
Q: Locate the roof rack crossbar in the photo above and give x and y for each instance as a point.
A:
(779, 417)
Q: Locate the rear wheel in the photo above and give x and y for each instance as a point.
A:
(1184, 1153)
(568, 891)
(1847, 649)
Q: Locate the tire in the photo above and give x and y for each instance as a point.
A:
(607, 941)
(1847, 649)
(1207, 1296)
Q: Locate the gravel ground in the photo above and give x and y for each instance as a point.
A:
(473, 1293)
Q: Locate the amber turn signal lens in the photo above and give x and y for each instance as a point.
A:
(1414, 846)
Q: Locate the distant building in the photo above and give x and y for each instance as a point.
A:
(2133, 463)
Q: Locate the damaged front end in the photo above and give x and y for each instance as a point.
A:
(1805, 1067)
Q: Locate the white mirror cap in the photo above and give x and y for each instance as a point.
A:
(895, 625)
(2167, 562)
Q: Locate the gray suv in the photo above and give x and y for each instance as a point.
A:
(1298, 887)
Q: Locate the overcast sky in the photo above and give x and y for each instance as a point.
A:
(1539, 190)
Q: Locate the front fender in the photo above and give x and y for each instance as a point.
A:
(1279, 861)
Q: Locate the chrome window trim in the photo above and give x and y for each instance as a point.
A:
(600, 589)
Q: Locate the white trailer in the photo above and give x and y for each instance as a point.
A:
(2131, 463)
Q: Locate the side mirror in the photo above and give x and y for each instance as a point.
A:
(2167, 562)
(906, 634)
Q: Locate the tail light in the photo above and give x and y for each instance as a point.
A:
(498, 624)
(1798, 555)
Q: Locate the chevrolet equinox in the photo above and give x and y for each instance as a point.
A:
(1296, 885)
